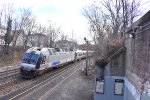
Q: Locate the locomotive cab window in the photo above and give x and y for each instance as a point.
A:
(30, 58)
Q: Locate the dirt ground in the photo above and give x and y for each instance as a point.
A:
(77, 87)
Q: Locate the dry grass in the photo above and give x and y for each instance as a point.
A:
(110, 47)
(91, 69)
(11, 59)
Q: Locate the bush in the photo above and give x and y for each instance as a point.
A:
(109, 47)
(14, 56)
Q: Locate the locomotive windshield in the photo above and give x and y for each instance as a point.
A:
(30, 58)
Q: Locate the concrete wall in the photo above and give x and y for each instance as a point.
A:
(136, 66)
(145, 97)
(138, 56)
(117, 65)
(109, 85)
(128, 95)
(131, 90)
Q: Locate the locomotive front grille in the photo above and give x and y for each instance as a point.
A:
(27, 74)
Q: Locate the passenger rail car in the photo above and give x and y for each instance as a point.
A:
(80, 55)
(38, 60)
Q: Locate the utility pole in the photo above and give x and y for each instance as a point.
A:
(86, 66)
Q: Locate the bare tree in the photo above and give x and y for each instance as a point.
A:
(73, 42)
(8, 18)
(62, 40)
(121, 14)
(40, 30)
(20, 24)
(52, 33)
(64, 37)
(8, 36)
(108, 20)
(130, 11)
(29, 28)
(15, 33)
(99, 27)
(15, 24)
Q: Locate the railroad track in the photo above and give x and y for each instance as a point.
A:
(9, 76)
(23, 85)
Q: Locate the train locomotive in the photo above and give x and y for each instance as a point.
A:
(37, 61)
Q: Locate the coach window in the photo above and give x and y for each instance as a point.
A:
(53, 50)
(43, 60)
(50, 53)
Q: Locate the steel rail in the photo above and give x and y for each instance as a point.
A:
(43, 82)
(47, 75)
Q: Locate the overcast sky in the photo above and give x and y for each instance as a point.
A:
(65, 13)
